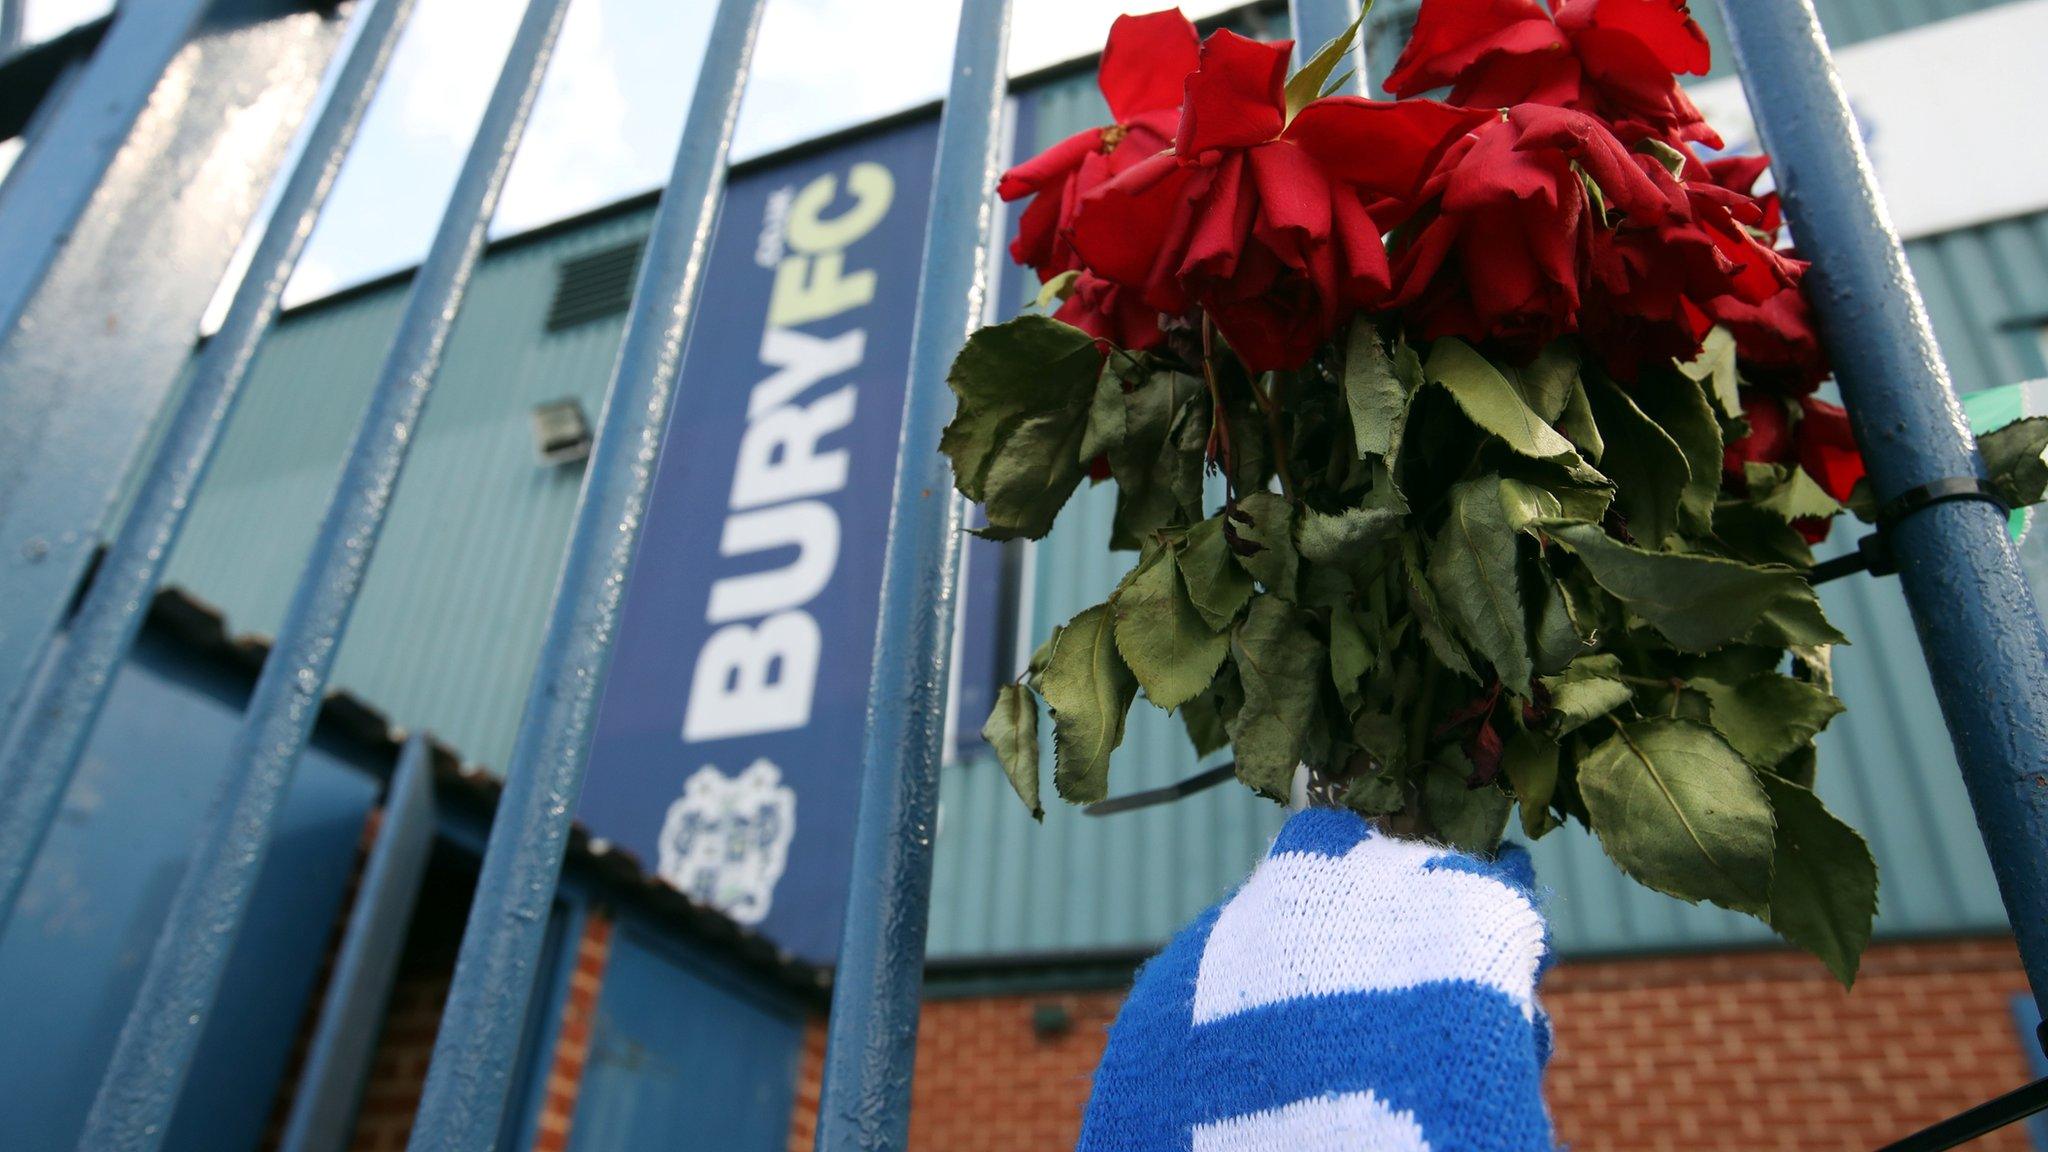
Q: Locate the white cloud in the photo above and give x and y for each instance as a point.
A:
(46, 18)
(829, 64)
(575, 153)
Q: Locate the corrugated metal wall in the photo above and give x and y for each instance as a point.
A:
(448, 625)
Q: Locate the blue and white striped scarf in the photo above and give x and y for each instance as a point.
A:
(1358, 993)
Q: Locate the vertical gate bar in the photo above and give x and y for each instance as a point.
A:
(51, 726)
(56, 182)
(1980, 629)
(170, 130)
(140, 1088)
(1316, 23)
(352, 1009)
(500, 958)
(872, 1041)
(10, 25)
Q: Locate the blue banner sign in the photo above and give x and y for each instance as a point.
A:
(727, 752)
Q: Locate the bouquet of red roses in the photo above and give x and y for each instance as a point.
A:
(1468, 447)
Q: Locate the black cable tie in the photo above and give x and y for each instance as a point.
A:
(1938, 492)
(1874, 552)
(1200, 781)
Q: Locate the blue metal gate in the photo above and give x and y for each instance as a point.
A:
(105, 262)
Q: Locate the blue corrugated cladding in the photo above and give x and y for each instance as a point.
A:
(446, 633)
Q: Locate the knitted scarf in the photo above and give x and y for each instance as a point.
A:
(1358, 993)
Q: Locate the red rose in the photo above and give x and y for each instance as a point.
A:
(1111, 313)
(1616, 59)
(1776, 336)
(1655, 292)
(1769, 440)
(1268, 225)
(1826, 448)
(1506, 227)
(1739, 174)
(1143, 66)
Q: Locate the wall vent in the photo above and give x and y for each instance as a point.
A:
(594, 285)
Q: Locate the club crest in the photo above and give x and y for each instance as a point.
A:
(726, 839)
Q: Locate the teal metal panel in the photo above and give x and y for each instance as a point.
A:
(448, 627)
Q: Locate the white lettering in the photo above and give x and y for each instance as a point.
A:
(811, 527)
(779, 457)
(801, 361)
(754, 678)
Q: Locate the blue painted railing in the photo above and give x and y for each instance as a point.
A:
(56, 719)
(501, 949)
(1986, 647)
(141, 1085)
(872, 1040)
(1958, 568)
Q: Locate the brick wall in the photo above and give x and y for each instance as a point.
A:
(572, 1043)
(1737, 1051)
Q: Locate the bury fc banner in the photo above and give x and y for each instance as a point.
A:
(727, 752)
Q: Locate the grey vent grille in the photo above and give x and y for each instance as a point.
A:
(594, 285)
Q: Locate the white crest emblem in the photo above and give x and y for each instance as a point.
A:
(726, 839)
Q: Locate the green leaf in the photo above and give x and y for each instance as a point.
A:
(1058, 288)
(1373, 391)
(1107, 425)
(1207, 717)
(1089, 690)
(1589, 688)
(1700, 603)
(1024, 390)
(1578, 425)
(1347, 539)
(1649, 468)
(1530, 762)
(1159, 462)
(1263, 523)
(1429, 614)
(1282, 666)
(1473, 569)
(1351, 655)
(1217, 584)
(1768, 717)
(1377, 794)
(1682, 410)
(1306, 85)
(1547, 382)
(1749, 533)
(1678, 809)
(1012, 730)
(1824, 881)
(1164, 641)
(1788, 492)
(1491, 402)
(1714, 368)
(1466, 818)
(1555, 635)
(2013, 458)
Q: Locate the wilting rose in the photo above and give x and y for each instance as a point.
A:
(1826, 448)
(1272, 227)
(1617, 59)
(1143, 67)
(1655, 291)
(1506, 227)
(1769, 440)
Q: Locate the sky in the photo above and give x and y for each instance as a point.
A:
(613, 103)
